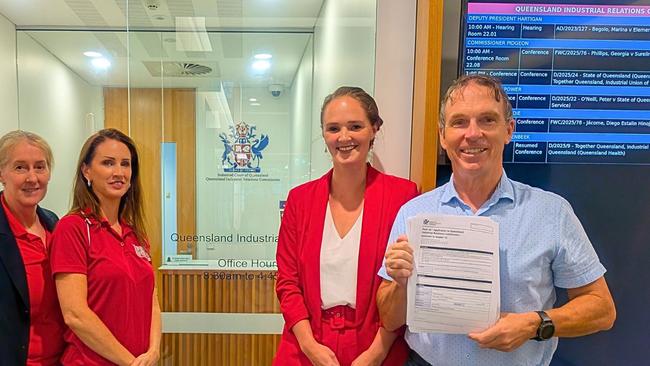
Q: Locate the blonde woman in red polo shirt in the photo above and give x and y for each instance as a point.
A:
(100, 260)
(31, 326)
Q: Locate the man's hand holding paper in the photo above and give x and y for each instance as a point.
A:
(509, 333)
(455, 283)
(399, 260)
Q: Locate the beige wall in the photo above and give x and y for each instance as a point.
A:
(9, 89)
(371, 44)
(42, 95)
(394, 68)
(60, 106)
(344, 54)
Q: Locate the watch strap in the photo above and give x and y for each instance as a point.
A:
(547, 322)
(545, 318)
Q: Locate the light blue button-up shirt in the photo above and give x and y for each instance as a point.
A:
(541, 245)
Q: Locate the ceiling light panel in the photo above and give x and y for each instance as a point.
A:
(191, 35)
(92, 54)
(261, 65)
(100, 63)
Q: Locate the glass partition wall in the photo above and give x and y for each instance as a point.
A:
(225, 112)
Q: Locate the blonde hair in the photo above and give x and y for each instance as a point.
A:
(13, 138)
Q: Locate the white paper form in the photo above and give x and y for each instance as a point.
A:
(455, 283)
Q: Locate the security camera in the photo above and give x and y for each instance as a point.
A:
(152, 4)
(276, 90)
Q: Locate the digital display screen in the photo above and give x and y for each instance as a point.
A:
(577, 75)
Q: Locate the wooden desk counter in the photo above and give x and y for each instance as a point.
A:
(218, 291)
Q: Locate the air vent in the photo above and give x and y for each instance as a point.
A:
(181, 69)
(187, 69)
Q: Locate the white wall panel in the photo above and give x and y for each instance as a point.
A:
(344, 54)
(394, 72)
(9, 90)
(60, 106)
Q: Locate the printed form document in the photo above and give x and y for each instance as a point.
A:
(455, 286)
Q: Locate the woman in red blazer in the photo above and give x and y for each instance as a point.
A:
(331, 244)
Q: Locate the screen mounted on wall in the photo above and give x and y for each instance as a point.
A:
(577, 74)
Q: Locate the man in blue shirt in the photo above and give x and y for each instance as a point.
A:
(541, 242)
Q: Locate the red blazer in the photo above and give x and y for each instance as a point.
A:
(298, 258)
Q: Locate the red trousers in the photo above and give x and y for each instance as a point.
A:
(339, 335)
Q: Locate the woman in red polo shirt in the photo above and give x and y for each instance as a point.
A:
(100, 260)
(31, 326)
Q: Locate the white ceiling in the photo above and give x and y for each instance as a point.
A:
(231, 57)
(113, 13)
(236, 30)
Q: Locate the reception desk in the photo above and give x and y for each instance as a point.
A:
(219, 317)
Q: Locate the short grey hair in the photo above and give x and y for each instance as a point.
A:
(13, 138)
(494, 85)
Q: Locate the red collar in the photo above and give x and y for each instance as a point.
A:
(92, 219)
(16, 227)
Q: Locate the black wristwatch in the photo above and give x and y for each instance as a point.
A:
(546, 328)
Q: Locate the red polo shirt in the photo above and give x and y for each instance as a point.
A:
(45, 321)
(120, 283)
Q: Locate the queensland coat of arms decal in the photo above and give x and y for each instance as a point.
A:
(242, 149)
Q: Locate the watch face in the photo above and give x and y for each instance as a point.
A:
(546, 331)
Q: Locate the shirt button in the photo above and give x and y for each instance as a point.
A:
(467, 355)
(121, 243)
(22, 347)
